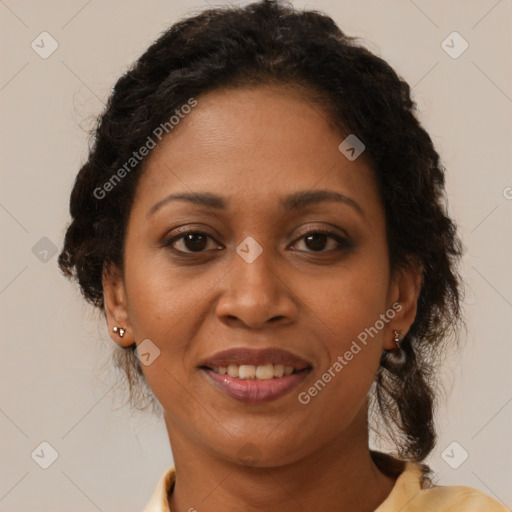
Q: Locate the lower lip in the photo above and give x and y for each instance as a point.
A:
(254, 391)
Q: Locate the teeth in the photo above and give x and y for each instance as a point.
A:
(263, 372)
(247, 371)
(288, 370)
(250, 371)
(279, 370)
(233, 370)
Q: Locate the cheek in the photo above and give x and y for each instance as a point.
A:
(353, 333)
(351, 308)
(354, 295)
(158, 295)
(160, 306)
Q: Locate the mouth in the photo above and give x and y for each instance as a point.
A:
(255, 376)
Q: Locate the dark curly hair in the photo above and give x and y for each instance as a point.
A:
(270, 43)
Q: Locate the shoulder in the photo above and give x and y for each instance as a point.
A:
(408, 495)
(458, 499)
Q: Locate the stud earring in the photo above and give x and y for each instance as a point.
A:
(397, 356)
(119, 330)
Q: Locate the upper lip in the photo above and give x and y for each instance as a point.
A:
(249, 356)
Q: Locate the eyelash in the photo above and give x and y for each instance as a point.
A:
(343, 243)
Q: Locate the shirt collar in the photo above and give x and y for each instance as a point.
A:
(158, 501)
(406, 487)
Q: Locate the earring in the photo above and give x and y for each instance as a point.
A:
(119, 330)
(397, 356)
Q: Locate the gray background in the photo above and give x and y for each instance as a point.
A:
(56, 386)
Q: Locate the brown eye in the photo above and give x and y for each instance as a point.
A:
(193, 241)
(316, 241)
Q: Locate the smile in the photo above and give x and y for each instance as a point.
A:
(255, 375)
(259, 372)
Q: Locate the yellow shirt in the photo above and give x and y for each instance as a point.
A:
(406, 496)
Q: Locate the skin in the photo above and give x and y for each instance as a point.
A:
(252, 146)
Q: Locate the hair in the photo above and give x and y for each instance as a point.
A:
(270, 43)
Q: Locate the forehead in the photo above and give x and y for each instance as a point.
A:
(254, 145)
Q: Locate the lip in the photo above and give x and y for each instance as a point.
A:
(256, 391)
(253, 391)
(251, 356)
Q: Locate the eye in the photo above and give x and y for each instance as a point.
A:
(197, 241)
(316, 240)
(194, 241)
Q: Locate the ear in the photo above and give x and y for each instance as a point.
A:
(405, 292)
(116, 312)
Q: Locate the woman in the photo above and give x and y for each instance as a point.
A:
(261, 218)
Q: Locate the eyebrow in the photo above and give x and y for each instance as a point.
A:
(297, 200)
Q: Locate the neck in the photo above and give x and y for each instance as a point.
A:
(341, 475)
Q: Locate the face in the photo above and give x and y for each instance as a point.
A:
(265, 261)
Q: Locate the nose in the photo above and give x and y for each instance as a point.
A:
(257, 293)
